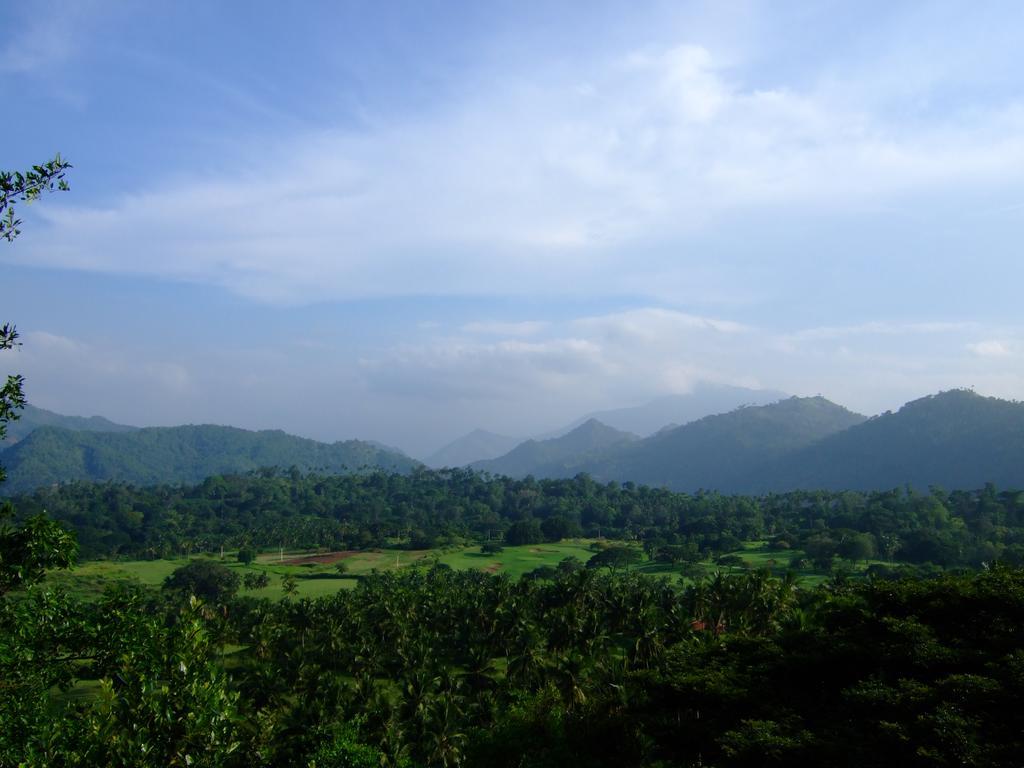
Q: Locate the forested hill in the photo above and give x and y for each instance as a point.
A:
(721, 451)
(558, 457)
(955, 439)
(31, 418)
(187, 454)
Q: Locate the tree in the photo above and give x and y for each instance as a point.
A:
(246, 555)
(167, 701)
(256, 580)
(858, 546)
(26, 187)
(557, 528)
(205, 579)
(289, 584)
(614, 558)
(26, 552)
(523, 532)
(21, 187)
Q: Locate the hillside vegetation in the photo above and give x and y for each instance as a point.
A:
(31, 418)
(51, 455)
(955, 439)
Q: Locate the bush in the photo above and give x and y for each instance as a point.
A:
(345, 750)
(256, 580)
(491, 548)
(569, 565)
(246, 556)
(541, 572)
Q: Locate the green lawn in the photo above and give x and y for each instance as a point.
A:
(314, 580)
(515, 561)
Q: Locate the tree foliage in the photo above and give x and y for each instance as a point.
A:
(24, 187)
(209, 581)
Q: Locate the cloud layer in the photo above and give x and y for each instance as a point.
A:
(601, 180)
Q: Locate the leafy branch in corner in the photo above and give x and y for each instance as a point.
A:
(26, 187)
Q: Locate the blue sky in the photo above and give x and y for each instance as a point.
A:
(401, 221)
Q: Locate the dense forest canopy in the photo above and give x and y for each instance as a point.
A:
(443, 668)
(426, 508)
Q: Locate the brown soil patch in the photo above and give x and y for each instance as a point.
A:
(493, 568)
(325, 559)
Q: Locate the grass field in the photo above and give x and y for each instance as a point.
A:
(317, 579)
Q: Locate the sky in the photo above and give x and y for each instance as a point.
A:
(401, 221)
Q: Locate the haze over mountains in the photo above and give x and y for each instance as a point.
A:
(670, 410)
(955, 439)
(559, 456)
(706, 399)
(478, 445)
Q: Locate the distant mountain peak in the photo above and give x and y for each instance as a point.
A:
(705, 399)
(477, 445)
(543, 456)
(32, 417)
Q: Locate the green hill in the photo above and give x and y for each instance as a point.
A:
(722, 451)
(556, 457)
(185, 454)
(32, 418)
(955, 439)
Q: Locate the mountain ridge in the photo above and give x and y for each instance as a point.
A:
(587, 439)
(187, 453)
(954, 439)
(32, 417)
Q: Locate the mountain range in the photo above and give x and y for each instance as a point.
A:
(558, 456)
(705, 399)
(186, 454)
(955, 439)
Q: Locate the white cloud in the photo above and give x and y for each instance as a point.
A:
(822, 333)
(532, 186)
(627, 357)
(85, 377)
(991, 348)
(54, 341)
(523, 328)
